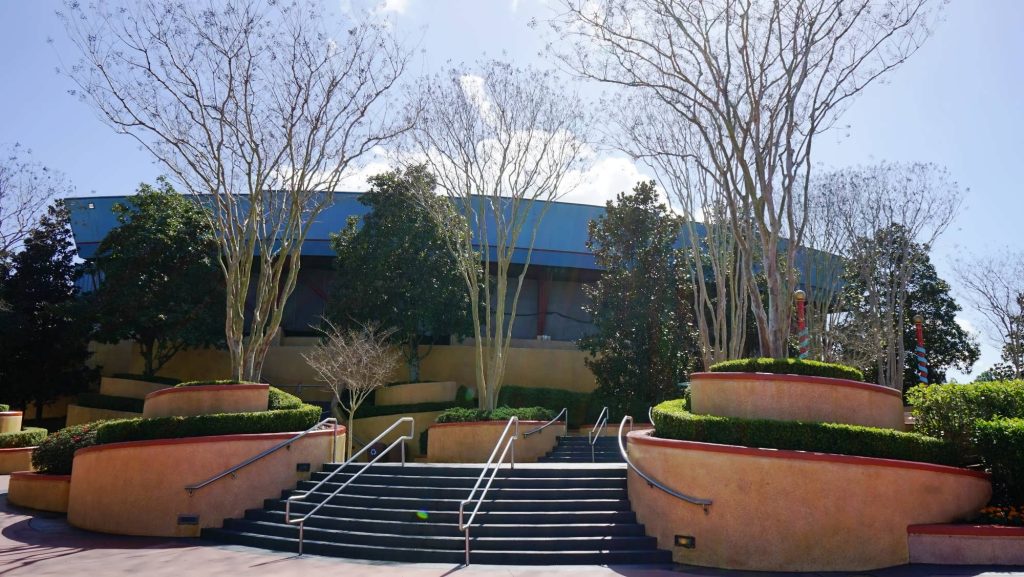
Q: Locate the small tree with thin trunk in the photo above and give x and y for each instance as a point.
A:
(26, 187)
(353, 364)
(995, 287)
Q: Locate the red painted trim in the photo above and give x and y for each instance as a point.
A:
(643, 438)
(967, 530)
(489, 423)
(206, 439)
(803, 379)
(32, 475)
(16, 449)
(199, 388)
(10, 413)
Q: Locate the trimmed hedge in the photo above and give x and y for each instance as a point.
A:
(57, 451)
(672, 421)
(169, 381)
(4, 408)
(951, 411)
(110, 402)
(280, 400)
(788, 367)
(467, 415)
(552, 399)
(1001, 444)
(205, 425)
(215, 382)
(27, 437)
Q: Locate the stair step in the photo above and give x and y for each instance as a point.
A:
(433, 504)
(494, 494)
(467, 483)
(473, 471)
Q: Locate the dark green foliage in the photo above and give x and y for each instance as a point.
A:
(552, 399)
(292, 420)
(4, 407)
(788, 367)
(1001, 445)
(468, 415)
(280, 400)
(56, 452)
(397, 269)
(27, 437)
(161, 285)
(951, 412)
(45, 327)
(672, 421)
(110, 402)
(214, 382)
(645, 342)
(367, 410)
(169, 381)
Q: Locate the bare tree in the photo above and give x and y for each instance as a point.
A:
(885, 210)
(995, 287)
(756, 82)
(503, 142)
(26, 188)
(353, 364)
(256, 108)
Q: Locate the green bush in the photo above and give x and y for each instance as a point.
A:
(951, 411)
(169, 381)
(552, 399)
(206, 425)
(27, 437)
(468, 415)
(4, 407)
(56, 452)
(1001, 445)
(672, 421)
(280, 400)
(110, 402)
(214, 382)
(788, 367)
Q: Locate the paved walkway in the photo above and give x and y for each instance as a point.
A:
(40, 544)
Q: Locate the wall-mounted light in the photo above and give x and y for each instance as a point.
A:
(686, 541)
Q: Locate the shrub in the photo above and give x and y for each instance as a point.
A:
(214, 382)
(552, 399)
(672, 421)
(27, 437)
(468, 415)
(57, 451)
(169, 381)
(110, 402)
(205, 425)
(280, 400)
(951, 411)
(788, 367)
(4, 407)
(1001, 445)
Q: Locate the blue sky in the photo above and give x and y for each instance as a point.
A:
(957, 103)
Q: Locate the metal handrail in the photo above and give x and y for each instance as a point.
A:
(650, 415)
(191, 489)
(565, 412)
(301, 521)
(509, 443)
(705, 503)
(595, 433)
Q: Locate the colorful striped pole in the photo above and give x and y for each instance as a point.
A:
(922, 361)
(801, 324)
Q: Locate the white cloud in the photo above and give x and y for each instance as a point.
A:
(397, 6)
(355, 178)
(605, 178)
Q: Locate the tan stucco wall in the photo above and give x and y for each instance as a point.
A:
(138, 488)
(411, 393)
(474, 442)
(206, 400)
(795, 398)
(41, 492)
(80, 415)
(1005, 547)
(367, 429)
(792, 511)
(128, 387)
(18, 459)
(53, 410)
(10, 422)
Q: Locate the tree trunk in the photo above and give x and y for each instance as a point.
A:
(348, 434)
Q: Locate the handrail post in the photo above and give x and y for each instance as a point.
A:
(403, 453)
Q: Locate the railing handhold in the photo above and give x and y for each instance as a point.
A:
(509, 444)
(651, 482)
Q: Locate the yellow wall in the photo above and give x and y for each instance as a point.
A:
(411, 393)
(367, 429)
(474, 442)
(80, 415)
(206, 400)
(17, 459)
(10, 422)
(41, 492)
(128, 387)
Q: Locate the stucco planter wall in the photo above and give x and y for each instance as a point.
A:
(138, 488)
(777, 510)
(39, 491)
(473, 442)
(966, 544)
(367, 429)
(78, 415)
(412, 393)
(10, 421)
(16, 459)
(796, 398)
(117, 387)
(206, 400)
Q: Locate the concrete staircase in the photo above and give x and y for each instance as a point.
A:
(577, 450)
(536, 514)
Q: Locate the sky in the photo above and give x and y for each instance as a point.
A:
(956, 103)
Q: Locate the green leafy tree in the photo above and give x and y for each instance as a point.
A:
(45, 327)
(645, 341)
(396, 270)
(161, 286)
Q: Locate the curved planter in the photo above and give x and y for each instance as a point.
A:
(796, 398)
(10, 421)
(206, 400)
(966, 544)
(17, 459)
(138, 488)
(777, 510)
(39, 491)
(414, 393)
(117, 387)
(473, 442)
